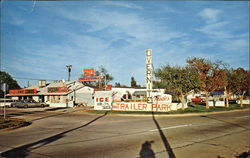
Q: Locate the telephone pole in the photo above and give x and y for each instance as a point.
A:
(69, 70)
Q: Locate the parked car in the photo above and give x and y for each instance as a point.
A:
(6, 102)
(198, 99)
(28, 104)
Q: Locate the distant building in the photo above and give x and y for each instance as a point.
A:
(56, 93)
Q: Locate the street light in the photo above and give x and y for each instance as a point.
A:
(69, 70)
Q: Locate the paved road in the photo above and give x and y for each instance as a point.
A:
(74, 133)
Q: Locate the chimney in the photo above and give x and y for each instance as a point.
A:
(42, 83)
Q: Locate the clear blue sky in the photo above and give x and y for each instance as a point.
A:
(38, 39)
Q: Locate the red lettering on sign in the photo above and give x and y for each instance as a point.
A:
(164, 106)
(165, 98)
(122, 106)
(106, 99)
(169, 107)
(126, 107)
(154, 106)
(140, 106)
(101, 99)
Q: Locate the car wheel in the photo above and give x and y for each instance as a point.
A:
(42, 105)
(25, 106)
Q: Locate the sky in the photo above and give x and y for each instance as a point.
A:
(39, 38)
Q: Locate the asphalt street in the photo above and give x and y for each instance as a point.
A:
(74, 133)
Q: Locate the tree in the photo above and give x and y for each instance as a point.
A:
(237, 83)
(117, 84)
(180, 80)
(6, 78)
(133, 82)
(230, 84)
(212, 76)
(242, 83)
(105, 76)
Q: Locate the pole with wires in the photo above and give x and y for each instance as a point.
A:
(69, 70)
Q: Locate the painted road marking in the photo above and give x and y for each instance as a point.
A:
(172, 127)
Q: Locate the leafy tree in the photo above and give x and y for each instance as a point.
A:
(117, 84)
(241, 85)
(105, 76)
(180, 80)
(237, 83)
(212, 76)
(6, 78)
(133, 82)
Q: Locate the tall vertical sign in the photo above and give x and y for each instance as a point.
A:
(149, 75)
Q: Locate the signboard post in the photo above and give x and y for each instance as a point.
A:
(149, 76)
(4, 88)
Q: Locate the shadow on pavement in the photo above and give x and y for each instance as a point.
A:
(25, 150)
(243, 155)
(146, 150)
(168, 148)
(54, 109)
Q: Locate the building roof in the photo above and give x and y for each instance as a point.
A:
(72, 86)
(139, 93)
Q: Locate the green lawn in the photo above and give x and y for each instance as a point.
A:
(12, 123)
(195, 109)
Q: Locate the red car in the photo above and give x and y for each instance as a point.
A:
(198, 99)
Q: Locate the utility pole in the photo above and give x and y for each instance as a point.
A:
(105, 81)
(69, 70)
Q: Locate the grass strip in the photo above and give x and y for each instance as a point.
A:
(194, 109)
(12, 123)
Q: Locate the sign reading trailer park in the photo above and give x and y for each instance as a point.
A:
(141, 106)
